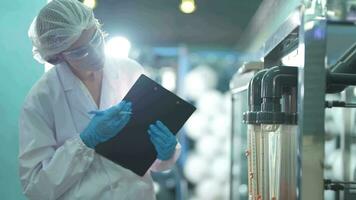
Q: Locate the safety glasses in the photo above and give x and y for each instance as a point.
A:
(83, 51)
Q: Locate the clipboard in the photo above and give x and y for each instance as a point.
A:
(132, 147)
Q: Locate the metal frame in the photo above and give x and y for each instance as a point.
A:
(309, 37)
(311, 98)
(308, 34)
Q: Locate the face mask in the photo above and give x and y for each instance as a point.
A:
(90, 57)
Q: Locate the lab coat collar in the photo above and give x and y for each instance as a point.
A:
(69, 80)
(76, 98)
(110, 84)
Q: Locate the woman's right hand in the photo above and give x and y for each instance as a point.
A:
(106, 124)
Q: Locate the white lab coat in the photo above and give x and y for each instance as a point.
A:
(54, 162)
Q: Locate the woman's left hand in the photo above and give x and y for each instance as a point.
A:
(163, 140)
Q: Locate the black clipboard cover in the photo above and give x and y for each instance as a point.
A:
(132, 148)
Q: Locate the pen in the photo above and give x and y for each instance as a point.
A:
(97, 112)
(125, 112)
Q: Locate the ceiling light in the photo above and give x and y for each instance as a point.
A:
(118, 47)
(187, 6)
(90, 3)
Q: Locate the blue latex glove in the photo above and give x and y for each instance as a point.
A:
(106, 124)
(163, 140)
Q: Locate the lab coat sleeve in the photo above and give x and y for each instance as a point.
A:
(46, 170)
(162, 165)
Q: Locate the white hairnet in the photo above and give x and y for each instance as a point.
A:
(58, 25)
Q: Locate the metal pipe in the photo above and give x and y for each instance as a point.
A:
(342, 104)
(346, 63)
(343, 72)
(341, 78)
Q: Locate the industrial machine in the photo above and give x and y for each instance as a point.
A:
(278, 122)
(272, 134)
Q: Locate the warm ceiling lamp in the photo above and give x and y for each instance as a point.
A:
(187, 6)
(90, 3)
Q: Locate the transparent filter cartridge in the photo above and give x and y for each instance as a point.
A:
(280, 159)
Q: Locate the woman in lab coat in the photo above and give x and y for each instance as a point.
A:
(71, 109)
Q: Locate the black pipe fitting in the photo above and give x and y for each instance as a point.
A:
(278, 78)
(342, 78)
(277, 81)
(254, 98)
(337, 82)
(254, 91)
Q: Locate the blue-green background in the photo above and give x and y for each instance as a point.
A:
(18, 73)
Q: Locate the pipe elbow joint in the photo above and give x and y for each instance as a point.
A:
(278, 78)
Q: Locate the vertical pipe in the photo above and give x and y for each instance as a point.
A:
(183, 67)
(345, 139)
(232, 136)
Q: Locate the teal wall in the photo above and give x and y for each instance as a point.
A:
(18, 73)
